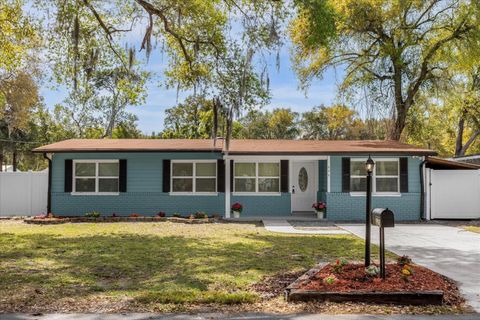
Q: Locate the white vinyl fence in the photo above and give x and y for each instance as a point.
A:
(454, 194)
(23, 193)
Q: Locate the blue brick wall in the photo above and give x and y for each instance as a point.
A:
(255, 206)
(343, 206)
(144, 187)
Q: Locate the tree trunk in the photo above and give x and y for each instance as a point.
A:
(14, 160)
(459, 141)
(1, 156)
(396, 133)
(469, 143)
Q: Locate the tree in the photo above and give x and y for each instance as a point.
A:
(327, 122)
(280, 123)
(17, 36)
(392, 48)
(20, 96)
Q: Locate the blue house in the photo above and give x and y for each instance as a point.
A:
(268, 177)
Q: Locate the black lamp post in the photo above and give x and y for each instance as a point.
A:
(369, 166)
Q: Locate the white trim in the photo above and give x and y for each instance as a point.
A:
(194, 178)
(257, 177)
(94, 193)
(257, 194)
(96, 177)
(328, 174)
(227, 187)
(378, 194)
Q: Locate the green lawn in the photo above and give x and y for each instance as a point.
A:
(473, 229)
(73, 267)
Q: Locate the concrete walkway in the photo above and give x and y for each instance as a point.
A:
(243, 316)
(450, 251)
(283, 226)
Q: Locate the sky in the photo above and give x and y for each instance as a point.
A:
(283, 85)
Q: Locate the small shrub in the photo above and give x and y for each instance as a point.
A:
(176, 215)
(40, 216)
(404, 260)
(331, 279)
(135, 215)
(216, 216)
(191, 217)
(161, 214)
(372, 270)
(114, 215)
(92, 214)
(407, 272)
(338, 265)
(201, 215)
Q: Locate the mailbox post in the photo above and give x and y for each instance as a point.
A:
(383, 218)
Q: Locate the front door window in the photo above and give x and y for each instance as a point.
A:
(303, 179)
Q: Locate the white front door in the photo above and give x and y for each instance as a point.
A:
(303, 185)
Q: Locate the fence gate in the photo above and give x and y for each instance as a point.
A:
(23, 193)
(455, 194)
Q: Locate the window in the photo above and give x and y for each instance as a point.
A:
(262, 177)
(97, 176)
(194, 177)
(385, 178)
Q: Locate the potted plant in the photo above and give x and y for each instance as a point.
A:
(237, 209)
(320, 209)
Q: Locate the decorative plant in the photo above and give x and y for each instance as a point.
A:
(135, 215)
(201, 215)
(40, 216)
(237, 207)
(339, 264)
(331, 279)
(50, 215)
(176, 215)
(372, 270)
(161, 214)
(114, 215)
(92, 214)
(407, 272)
(404, 260)
(319, 206)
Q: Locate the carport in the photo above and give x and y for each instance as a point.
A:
(452, 189)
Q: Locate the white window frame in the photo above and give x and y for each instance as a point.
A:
(374, 178)
(96, 177)
(256, 193)
(194, 178)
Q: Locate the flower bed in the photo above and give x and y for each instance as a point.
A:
(351, 282)
(131, 218)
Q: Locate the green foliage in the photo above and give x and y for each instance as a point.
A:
(276, 124)
(92, 214)
(201, 215)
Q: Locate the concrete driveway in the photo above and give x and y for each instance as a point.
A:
(450, 251)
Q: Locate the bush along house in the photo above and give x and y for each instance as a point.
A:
(267, 177)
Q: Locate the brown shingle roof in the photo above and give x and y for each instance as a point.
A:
(236, 146)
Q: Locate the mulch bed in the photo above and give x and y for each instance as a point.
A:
(45, 221)
(353, 279)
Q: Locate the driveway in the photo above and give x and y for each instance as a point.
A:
(450, 251)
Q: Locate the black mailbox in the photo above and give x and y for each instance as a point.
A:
(383, 218)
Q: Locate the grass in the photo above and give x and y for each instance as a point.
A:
(473, 228)
(118, 266)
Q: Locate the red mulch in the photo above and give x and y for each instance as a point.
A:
(353, 278)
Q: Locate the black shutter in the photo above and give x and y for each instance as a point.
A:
(68, 175)
(232, 173)
(220, 175)
(345, 174)
(284, 175)
(404, 174)
(166, 175)
(122, 171)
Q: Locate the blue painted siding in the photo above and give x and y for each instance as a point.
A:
(144, 187)
(343, 206)
(256, 206)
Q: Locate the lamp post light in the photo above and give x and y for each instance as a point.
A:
(369, 166)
